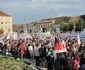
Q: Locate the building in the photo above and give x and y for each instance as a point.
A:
(74, 20)
(44, 25)
(19, 28)
(31, 27)
(58, 21)
(50, 24)
(5, 23)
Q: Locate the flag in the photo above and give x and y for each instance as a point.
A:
(64, 46)
(52, 38)
(41, 29)
(79, 42)
(8, 36)
(57, 45)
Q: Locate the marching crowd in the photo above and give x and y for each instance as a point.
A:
(72, 59)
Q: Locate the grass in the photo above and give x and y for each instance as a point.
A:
(9, 63)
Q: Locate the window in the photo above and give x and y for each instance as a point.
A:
(41, 25)
(48, 25)
(8, 18)
(1, 22)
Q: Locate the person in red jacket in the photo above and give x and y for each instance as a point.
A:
(22, 53)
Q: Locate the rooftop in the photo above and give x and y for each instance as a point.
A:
(3, 14)
(74, 19)
(47, 19)
(60, 19)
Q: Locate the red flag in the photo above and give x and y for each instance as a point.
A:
(57, 45)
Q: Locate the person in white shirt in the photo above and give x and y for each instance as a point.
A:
(31, 51)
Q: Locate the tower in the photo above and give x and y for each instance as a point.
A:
(25, 26)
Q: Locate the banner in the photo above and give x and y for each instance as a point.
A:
(64, 36)
(60, 47)
(23, 36)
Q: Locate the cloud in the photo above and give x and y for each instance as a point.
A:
(39, 4)
(35, 9)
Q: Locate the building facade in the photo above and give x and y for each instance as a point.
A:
(5, 23)
(44, 25)
(31, 27)
(19, 28)
(58, 21)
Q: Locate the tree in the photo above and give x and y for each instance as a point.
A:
(1, 31)
(80, 25)
(70, 26)
(65, 27)
(62, 25)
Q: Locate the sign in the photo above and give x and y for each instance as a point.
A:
(64, 36)
(23, 36)
(60, 47)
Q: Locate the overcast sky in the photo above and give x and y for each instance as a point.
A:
(34, 10)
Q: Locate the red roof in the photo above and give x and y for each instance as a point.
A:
(3, 14)
(15, 25)
(33, 23)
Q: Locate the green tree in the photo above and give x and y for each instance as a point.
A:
(65, 27)
(80, 25)
(62, 26)
(70, 26)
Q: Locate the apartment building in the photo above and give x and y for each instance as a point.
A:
(5, 23)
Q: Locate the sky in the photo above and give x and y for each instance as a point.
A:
(35, 10)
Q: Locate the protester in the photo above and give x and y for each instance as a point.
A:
(31, 50)
(36, 53)
(50, 59)
(61, 56)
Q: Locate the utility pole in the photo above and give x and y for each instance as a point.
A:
(25, 26)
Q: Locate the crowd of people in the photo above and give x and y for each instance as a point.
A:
(73, 59)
